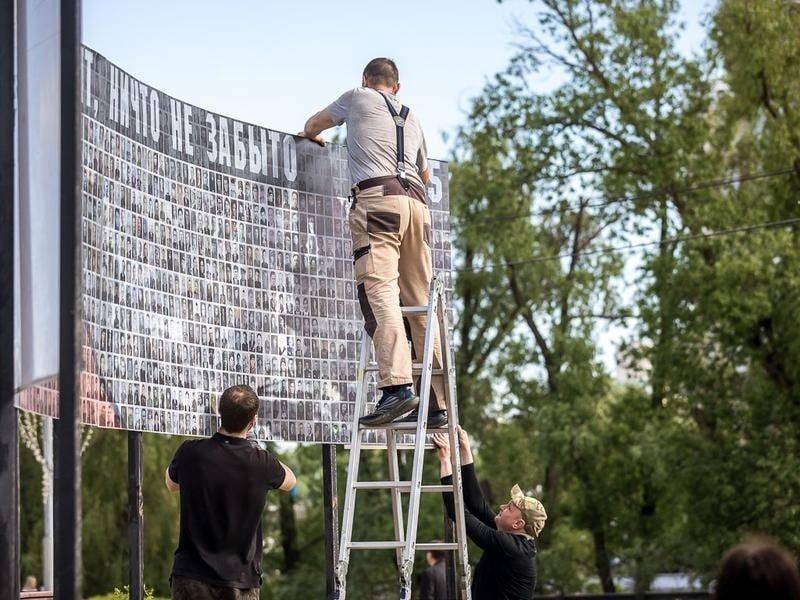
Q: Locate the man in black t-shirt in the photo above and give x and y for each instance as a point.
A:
(507, 569)
(223, 481)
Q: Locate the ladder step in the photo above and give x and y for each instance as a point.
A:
(437, 546)
(415, 368)
(412, 428)
(382, 485)
(393, 545)
(380, 446)
(405, 428)
(438, 488)
(414, 309)
(403, 486)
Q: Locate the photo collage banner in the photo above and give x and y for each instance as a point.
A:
(215, 252)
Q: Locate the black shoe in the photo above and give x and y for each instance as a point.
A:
(390, 406)
(436, 418)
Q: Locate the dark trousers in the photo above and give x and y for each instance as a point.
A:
(184, 588)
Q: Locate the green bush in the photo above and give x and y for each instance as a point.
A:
(124, 594)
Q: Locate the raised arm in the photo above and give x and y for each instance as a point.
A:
(172, 475)
(473, 497)
(171, 485)
(332, 115)
(289, 480)
(317, 124)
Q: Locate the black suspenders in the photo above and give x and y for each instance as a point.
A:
(399, 123)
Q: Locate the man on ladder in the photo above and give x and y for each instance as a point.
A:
(390, 224)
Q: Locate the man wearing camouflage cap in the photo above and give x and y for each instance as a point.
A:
(507, 569)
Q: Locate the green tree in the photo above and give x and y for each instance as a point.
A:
(730, 378)
(534, 173)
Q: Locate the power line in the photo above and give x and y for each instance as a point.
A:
(675, 240)
(700, 185)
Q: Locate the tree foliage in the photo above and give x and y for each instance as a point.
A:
(665, 474)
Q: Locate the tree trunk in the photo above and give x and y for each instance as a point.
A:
(291, 556)
(602, 561)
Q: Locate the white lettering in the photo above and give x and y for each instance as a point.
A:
(255, 153)
(187, 129)
(289, 158)
(135, 105)
(264, 161)
(155, 116)
(88, 60)
(212, 137)
(177, 124)
(224, 143)
(239, 149)
(434, 185)
(124, 100)
(143, 97)
(113, 99)
(275, 139)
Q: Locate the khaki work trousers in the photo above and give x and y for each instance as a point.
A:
(392, 255)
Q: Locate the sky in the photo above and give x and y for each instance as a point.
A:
(276, 63)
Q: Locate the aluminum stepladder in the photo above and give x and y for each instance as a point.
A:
(405, 539)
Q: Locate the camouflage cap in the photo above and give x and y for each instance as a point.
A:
(532, 511)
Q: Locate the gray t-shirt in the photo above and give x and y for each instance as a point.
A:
(371, 136)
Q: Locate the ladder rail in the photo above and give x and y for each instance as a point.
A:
(419, 441)
(455, 449)
(397, 499)
(352, 470)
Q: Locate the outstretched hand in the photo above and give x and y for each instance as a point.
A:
(463, 439)
(442, 443)
(317, 139)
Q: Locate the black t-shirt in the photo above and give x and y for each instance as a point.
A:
(224, 482)
(507, 569)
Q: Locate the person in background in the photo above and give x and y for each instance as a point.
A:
(223, 483)
(507, 568)
(433, 581)
(30, 584)
(758, 568)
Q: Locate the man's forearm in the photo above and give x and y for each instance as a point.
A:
(311, 128)
(317, 124)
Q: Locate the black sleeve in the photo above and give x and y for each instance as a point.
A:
(474, 501)
(174, 466)
(275, 473)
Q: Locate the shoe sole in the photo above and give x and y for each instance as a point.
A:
(429, 425)
(391, 415)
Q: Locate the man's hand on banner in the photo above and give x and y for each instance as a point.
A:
(317, 139)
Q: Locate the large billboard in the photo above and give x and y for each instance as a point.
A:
(215, 252)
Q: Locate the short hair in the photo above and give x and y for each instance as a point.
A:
(438, 555)
(237, 407)
(382, 71)
(758, 568)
